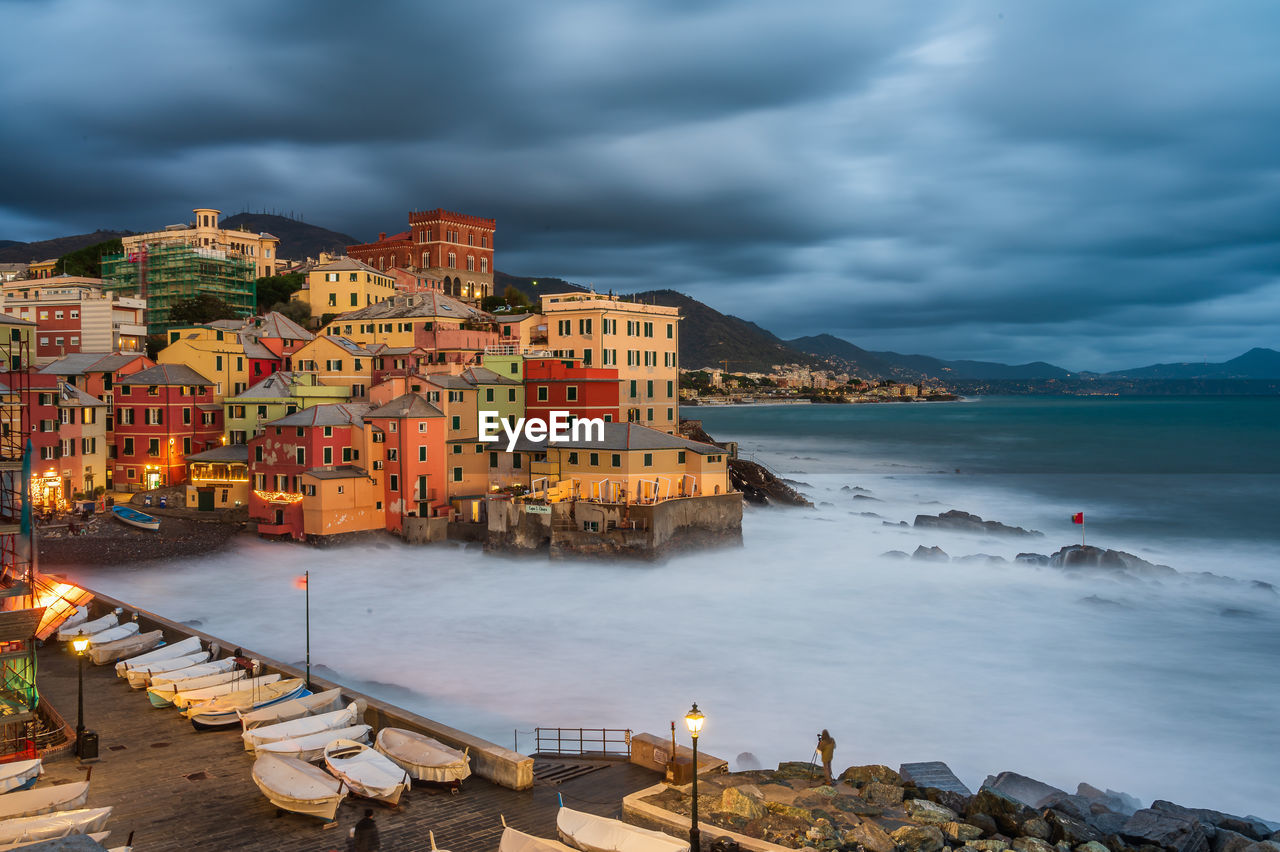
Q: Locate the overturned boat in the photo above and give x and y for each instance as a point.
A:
(88, 628)
(138, 678)
(366, 772)
(164, 652)
(59, 797)
(187, 698)
(311, 746)
(422, 757)
(592, 833)
(307, 725)
(294, 708)
(15, 832)
(162, 690)
(293, 785)
(102, 653)
(20, 774)
(224, 710)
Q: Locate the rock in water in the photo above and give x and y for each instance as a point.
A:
(930, 554)
(918, 838)
(965, 522)
(1161, 829)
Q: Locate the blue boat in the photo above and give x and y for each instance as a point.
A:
(134, 518)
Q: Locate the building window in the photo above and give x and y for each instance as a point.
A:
(573, 458)
(571, 393)
(153, 447)
(453, 260)
(328, 455)
(422, 453)
(393, 482)
(457, 474)
(471, 263)
(648, 459)
(542, 393)
(457, 422)
(616, 460)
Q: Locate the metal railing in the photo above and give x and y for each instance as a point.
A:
(587, 742)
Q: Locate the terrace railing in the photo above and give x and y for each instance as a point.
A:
(584, 742)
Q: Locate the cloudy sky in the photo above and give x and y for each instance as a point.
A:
(1090, 183)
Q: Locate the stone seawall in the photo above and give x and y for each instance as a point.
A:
(500, 765)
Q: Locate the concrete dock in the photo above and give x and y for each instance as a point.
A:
(182, 790)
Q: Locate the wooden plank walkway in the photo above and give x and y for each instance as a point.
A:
(183, 790)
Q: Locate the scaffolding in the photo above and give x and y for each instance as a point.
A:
(165, 273)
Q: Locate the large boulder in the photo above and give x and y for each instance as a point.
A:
(960, 832)
(1032, 844)
(958, 802)
(1092, 846)
(883, 795)
(930, 554)
(859, 775)
(1264, 846)
(870, 836)
(821, 831)
(1167, 830)
(1112, 800)
(965, 522)
(1212, 820)
(1073, 806)
(1078, 556)
(988, 845)
(1029, 791)
(1037, 828)
(929, 813)
(736, 802)
(1008, 814)
(1070, 830)
(1108, 823)
(918, 838)
(1227, 840)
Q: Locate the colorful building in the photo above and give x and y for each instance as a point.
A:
(69, 441)
(245, 416)
(162, 413)
(553, 384)
(521, 332)
(454, 248)
(642, 342)
(259, 249)
(337, 362)
(409, 435)
(455, 332)
(342, 286)
(215, 353)
(218, 478)
(75, 315)
(166, 273)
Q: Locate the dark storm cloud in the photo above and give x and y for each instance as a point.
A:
(1092, 184)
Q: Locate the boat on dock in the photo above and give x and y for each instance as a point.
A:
(164, 687)
(592, 833)
(138, 678)
(44, 800)
(294, 708)
(134, 518)
(366, 772)
(186, 698)
(88, 628)
(422, 757)
(108, 652)
(20, 774)
(292, 785)
(518, 841)
(223, 710)
(191, 645)
(312, 746)
(23, 830)
(331, 721)
(114, 633)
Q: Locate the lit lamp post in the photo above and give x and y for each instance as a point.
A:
(694, 720)
(81, 645)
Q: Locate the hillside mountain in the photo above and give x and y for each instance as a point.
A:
(893, 365)
(298, 240)
(12, 251)
(545, 286)
(708, 338)
(1257, 363)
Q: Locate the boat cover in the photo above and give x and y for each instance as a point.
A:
(188, 697)
(182, 676)
(294, 708)
(20, 772)
(330, 721)
(311, 746)
(59, 797)
(88, 628)
(139, 678)
(164, 652)
(250, 694)
(593, 833)
(80, 615)
(296, 786)
(424, 758)
(366, 772)
(53, 826)
(518, 841)
(106, 652)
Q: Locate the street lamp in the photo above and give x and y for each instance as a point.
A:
(693, 719)
(80, 644)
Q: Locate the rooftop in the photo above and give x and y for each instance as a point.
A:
(406, 405)
(166, 374)
(224, 453)
(89, 362)
(330, 414)
(349, 264)
(417, 305)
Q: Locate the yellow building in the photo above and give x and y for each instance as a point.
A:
(641, 341)
(343, 286)
(341, 499)
(632, 464)
(204, 233)
(218, 478)
(42, 268)
(337, 362)
(453, 330)
(215, 353)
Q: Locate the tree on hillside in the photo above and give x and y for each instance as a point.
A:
(201, 309)
(295, 309)
(277, 288)
(87, 262)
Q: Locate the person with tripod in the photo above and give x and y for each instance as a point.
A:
(826, 750)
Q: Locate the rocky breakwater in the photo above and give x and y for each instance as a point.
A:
(874, 809)
(958, 521)
(756, 482)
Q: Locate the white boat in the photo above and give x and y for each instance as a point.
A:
(164, 652)
(78, 616)
(20, 774)
(88, 628)
(311, 746)
(293, 785)
(294, 708)
(138, 678)
(331, 721)
(592, 833)
(161, 692)
(366, 772)
(44, 800)
(226, 664)
(422, 757)
(222, 710)
(16, 832)
(108, 652)
(517, 841)
(185, 698)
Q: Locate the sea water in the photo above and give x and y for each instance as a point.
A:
(1162, 689)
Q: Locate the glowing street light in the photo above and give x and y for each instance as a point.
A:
(693, 720)
(80, 645)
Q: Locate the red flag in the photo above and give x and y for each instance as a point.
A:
(300, 582)
(1077, 518)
